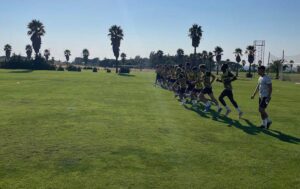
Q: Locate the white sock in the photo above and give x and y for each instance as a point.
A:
(227, 108)
(265, 122)
(238, 109)
(218, 106)
(269, 120)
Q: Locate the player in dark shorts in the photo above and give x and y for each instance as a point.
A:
(182, 86)
(264, 88)
(208, 78)
(226, 78)
(193, 80)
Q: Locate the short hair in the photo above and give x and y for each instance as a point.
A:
(202, 66)
(262, 68)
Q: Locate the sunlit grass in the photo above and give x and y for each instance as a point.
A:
(100, 130)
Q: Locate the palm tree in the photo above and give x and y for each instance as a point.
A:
(116, 35)
(251, 54)
(123, 57)
(86, 54)
(67, 54)
(291, 64)
(218, 53)
(7, 49)
(204, 57)
(210, 58)
(47, 54)
(238, 53)
(195, 33)
(28, 50)
(160, 56)
(180, 55)
(36, 30)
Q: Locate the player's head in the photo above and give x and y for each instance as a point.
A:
(202, 68)
(224, 68)
(187, 65)
(261, 70)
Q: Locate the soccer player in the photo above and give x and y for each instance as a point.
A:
(208, 79)
(182, 87)
(226, 78)
(265, 91)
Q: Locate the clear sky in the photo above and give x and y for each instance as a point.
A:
(152, 25)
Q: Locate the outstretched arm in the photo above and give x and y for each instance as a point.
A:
(255, 92)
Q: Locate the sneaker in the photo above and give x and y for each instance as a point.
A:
(227, 112)
(219, 110)
(269, 124)
(207, 108)
(241, 114)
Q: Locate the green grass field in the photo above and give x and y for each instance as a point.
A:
(97, 130)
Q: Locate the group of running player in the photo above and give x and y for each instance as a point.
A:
(195, 84)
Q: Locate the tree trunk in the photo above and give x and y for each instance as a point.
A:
(237, 70)
(117, 65)
(249, 71)
(195, 51)
(217, 68)
(277, 72)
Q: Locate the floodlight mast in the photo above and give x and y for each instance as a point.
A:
(260, 51)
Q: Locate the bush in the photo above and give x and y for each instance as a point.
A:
(18, 62)
(60, 68)
(87, 68)
(108, 70)
(95, 69)
(73, 68)
(40, 63)
(124, 70)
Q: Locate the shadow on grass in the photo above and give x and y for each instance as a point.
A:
(252, 129)
(21, 71)
(248, 127)
(126, 75)
(196, 109)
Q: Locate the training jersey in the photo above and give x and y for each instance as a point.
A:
(190, 75)
(198, 81)
(207, 79)
(226, 79)
(181, 82)
(263, 82)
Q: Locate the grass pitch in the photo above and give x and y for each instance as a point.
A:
(98, 130)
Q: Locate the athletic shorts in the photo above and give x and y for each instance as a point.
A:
(190, 87)
(182, 90)
(207, 90)
(172, 80)
(227, 92)
(264, 102)
(197, 90)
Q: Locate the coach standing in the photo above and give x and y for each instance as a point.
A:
(265, 91)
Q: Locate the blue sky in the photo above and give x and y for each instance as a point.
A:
(152, 25)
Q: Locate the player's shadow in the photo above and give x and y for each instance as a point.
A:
(196, 108)
(248, 127)
(252, 129)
